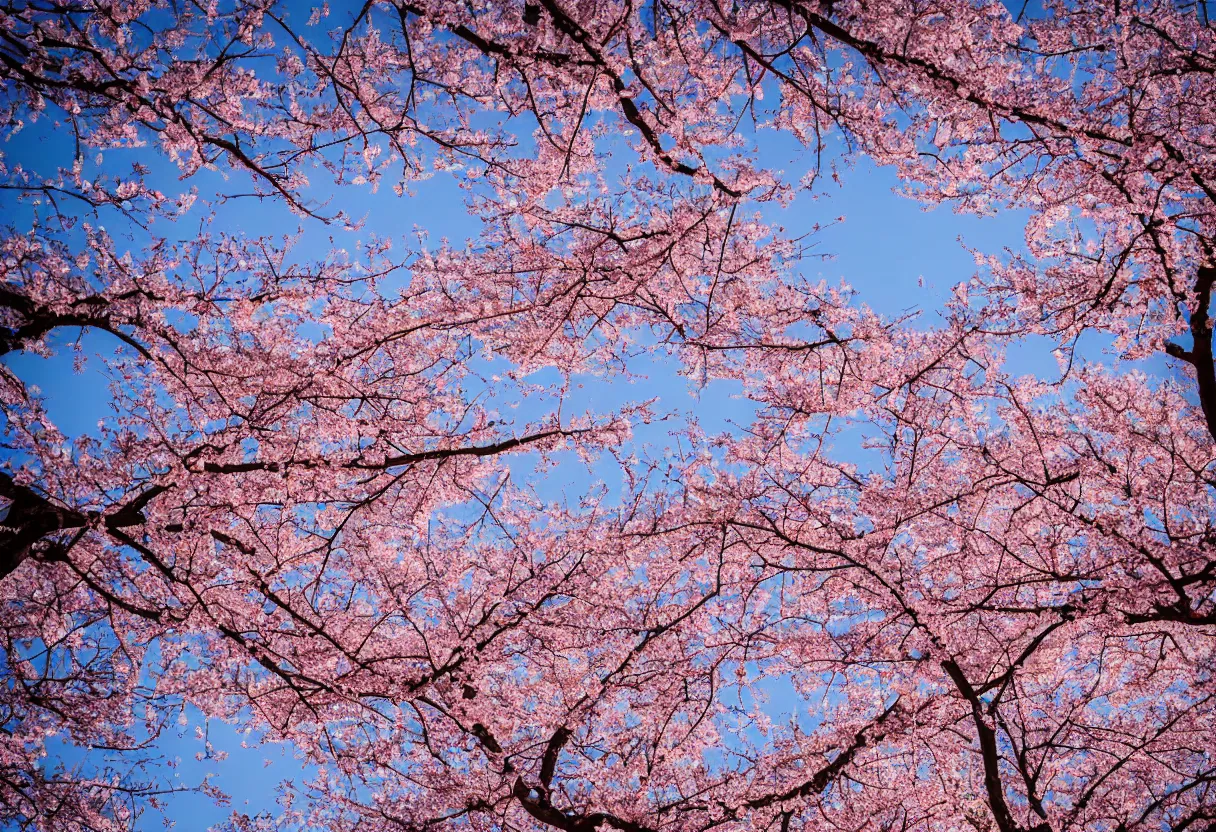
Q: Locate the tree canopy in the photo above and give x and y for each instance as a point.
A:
(309, 515)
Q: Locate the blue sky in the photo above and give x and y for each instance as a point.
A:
(884, 247)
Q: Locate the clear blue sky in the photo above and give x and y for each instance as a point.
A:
(883, 248)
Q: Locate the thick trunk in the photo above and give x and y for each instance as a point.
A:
(1200, 355)
(30, 519)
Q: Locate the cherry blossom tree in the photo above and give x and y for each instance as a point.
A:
(310, 516)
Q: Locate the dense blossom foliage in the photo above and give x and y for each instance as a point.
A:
(309, 516)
